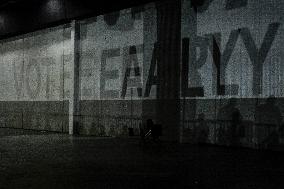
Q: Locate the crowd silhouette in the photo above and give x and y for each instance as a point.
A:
(266, 129)
(268, 120)
(230, 120)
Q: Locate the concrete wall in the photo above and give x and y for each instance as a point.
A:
(115, 59)
(244, 39)
(35, 81)
(232, 49)
(120, 54)
(213, 71)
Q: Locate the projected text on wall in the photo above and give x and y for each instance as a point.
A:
(118, 56)
(232, 49)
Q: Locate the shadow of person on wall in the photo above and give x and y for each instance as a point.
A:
(230, 120)
(268, 116)
(202, 130)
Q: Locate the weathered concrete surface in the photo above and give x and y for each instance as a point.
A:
(35, 115)
(62, 161)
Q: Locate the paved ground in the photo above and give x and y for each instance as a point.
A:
(29, 160)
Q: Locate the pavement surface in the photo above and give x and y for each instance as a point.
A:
(42, 160)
